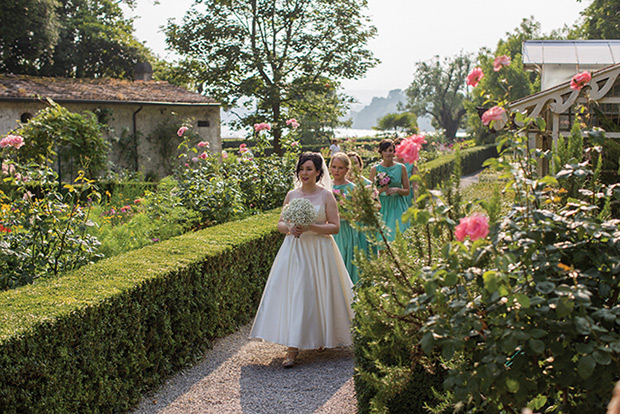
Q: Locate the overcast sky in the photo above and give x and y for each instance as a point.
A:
(409, 31)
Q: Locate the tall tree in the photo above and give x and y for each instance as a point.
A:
(70, 38)
(438, 89)
(403, 121)
(270, 50)
(601, 20)
(95, 40)
(21, 50)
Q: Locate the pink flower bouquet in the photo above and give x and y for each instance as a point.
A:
(382, 179)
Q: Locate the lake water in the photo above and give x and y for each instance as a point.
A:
(228, 133)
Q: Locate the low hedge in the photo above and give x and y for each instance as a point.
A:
(97, 338)
(440, 169)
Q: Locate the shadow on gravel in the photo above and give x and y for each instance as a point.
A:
(224, 349)
(304, 388)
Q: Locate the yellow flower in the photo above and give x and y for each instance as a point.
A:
(564, 267)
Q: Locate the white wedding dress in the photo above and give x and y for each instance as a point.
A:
(307, 299)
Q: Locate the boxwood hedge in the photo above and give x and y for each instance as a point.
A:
(97, 338)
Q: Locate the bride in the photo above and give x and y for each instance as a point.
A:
(306, 303)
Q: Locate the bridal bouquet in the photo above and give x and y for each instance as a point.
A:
(299, 212)
(382, 179)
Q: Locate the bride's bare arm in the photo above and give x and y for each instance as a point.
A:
(333, 219)
(282, 226)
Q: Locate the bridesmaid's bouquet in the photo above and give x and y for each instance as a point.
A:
(382, 179)
(299, 212)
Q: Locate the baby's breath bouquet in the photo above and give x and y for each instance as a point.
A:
(299, 212)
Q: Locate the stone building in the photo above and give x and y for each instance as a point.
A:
(142, 116)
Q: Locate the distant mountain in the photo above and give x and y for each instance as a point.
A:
(367, 117)
(378, 107)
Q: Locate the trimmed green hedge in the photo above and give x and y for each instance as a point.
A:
(96, 339)
(440, 169)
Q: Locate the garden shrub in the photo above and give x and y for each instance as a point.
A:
(57, 132)
(99, 337)
(43, 236)
(526, 317)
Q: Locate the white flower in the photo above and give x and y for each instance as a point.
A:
(299, 212)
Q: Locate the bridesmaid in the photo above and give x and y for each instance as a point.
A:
(411, 169)
(392, 196)
(357, 164)
(347, 238)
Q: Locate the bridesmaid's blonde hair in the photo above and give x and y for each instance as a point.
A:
(342, 157)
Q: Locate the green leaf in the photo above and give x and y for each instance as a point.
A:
(538, 402)
(523, 300)
(512, 385)
(537, 333)
(490, 281)
(601, 357)
(451, 279)
(537, 345)
(564, 307)
(427, 342)
(586, 366)
(545, 287)
(582, 325)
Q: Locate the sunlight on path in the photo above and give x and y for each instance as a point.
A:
(239, 376)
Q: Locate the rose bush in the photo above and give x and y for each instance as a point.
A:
(524, 316)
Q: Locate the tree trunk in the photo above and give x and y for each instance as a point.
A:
(277, 129)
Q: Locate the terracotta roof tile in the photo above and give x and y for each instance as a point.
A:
(20, 86)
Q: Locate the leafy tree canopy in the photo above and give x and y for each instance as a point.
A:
(272, 52)
(601, 20)
(403, 121)
(438, 89)
(70, 38)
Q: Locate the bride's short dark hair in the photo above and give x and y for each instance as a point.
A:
(316, 159)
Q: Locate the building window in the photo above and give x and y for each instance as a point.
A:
(203, 124)
(25, 117)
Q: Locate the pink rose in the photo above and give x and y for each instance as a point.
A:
(580, 80)
(203, 144)
(224, 154)
(181, 131)
(475, 226)
(497, 113)
(203, 156)
(261, 126)
(499, 62)
(475, 76)
(294, 143)
(14, 141)
(243, 148)
(292, 123)
(409, 148)
(194, 159)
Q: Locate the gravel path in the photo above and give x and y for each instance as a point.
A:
(242, 376)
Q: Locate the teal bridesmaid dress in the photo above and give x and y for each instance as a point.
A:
(409, 168)
(393, 207)
(347, 238)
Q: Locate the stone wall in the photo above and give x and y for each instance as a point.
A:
(154, 151)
